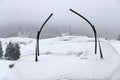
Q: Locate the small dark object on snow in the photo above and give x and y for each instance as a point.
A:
(11, 66)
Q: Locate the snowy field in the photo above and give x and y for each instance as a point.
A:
(63, 58)
(4, 68)
(116, 45)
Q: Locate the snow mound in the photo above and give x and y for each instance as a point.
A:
(70, 58)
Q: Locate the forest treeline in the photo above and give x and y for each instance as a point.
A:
(26, 31)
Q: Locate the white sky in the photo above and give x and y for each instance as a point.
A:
(104, 14)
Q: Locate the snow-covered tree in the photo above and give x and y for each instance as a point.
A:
(1, 51)
(12, 51)
(9, 51)
(16, 52)
(118, 38)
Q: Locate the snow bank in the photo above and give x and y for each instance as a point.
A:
(63, 62)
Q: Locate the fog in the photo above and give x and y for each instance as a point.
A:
(104, 14)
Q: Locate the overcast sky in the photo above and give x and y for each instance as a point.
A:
(104, 14)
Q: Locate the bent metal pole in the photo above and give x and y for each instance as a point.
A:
(38, 35)
(92, 26)
(95, 33)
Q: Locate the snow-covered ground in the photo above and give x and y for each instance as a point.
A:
(64, 58)
(4, 68)
(116, 45)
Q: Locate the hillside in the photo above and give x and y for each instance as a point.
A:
(64, 58)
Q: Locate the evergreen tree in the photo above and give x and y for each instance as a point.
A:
(12, 51)
(118, 38)
(1, 51)
(16, 52)
(9, 51)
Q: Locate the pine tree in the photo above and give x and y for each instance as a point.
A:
(1, 51)
(16, 52)
(9, 51)
(118, 38)
(12, 51)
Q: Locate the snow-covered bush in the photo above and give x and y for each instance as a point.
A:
(12, 51)
(1, 51)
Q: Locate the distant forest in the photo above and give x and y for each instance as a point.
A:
(27, 30)
(17, 30)
(30, 30)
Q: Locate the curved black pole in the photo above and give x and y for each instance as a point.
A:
(38, 35)
(92, 26)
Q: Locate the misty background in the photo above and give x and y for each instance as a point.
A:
(25, 17)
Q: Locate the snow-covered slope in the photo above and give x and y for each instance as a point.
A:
(66, 58)
(70, 44)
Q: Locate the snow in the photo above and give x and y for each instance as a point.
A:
(116, 45)
(65, 58)
(4, 67)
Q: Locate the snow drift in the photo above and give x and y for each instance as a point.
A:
(67, 58)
